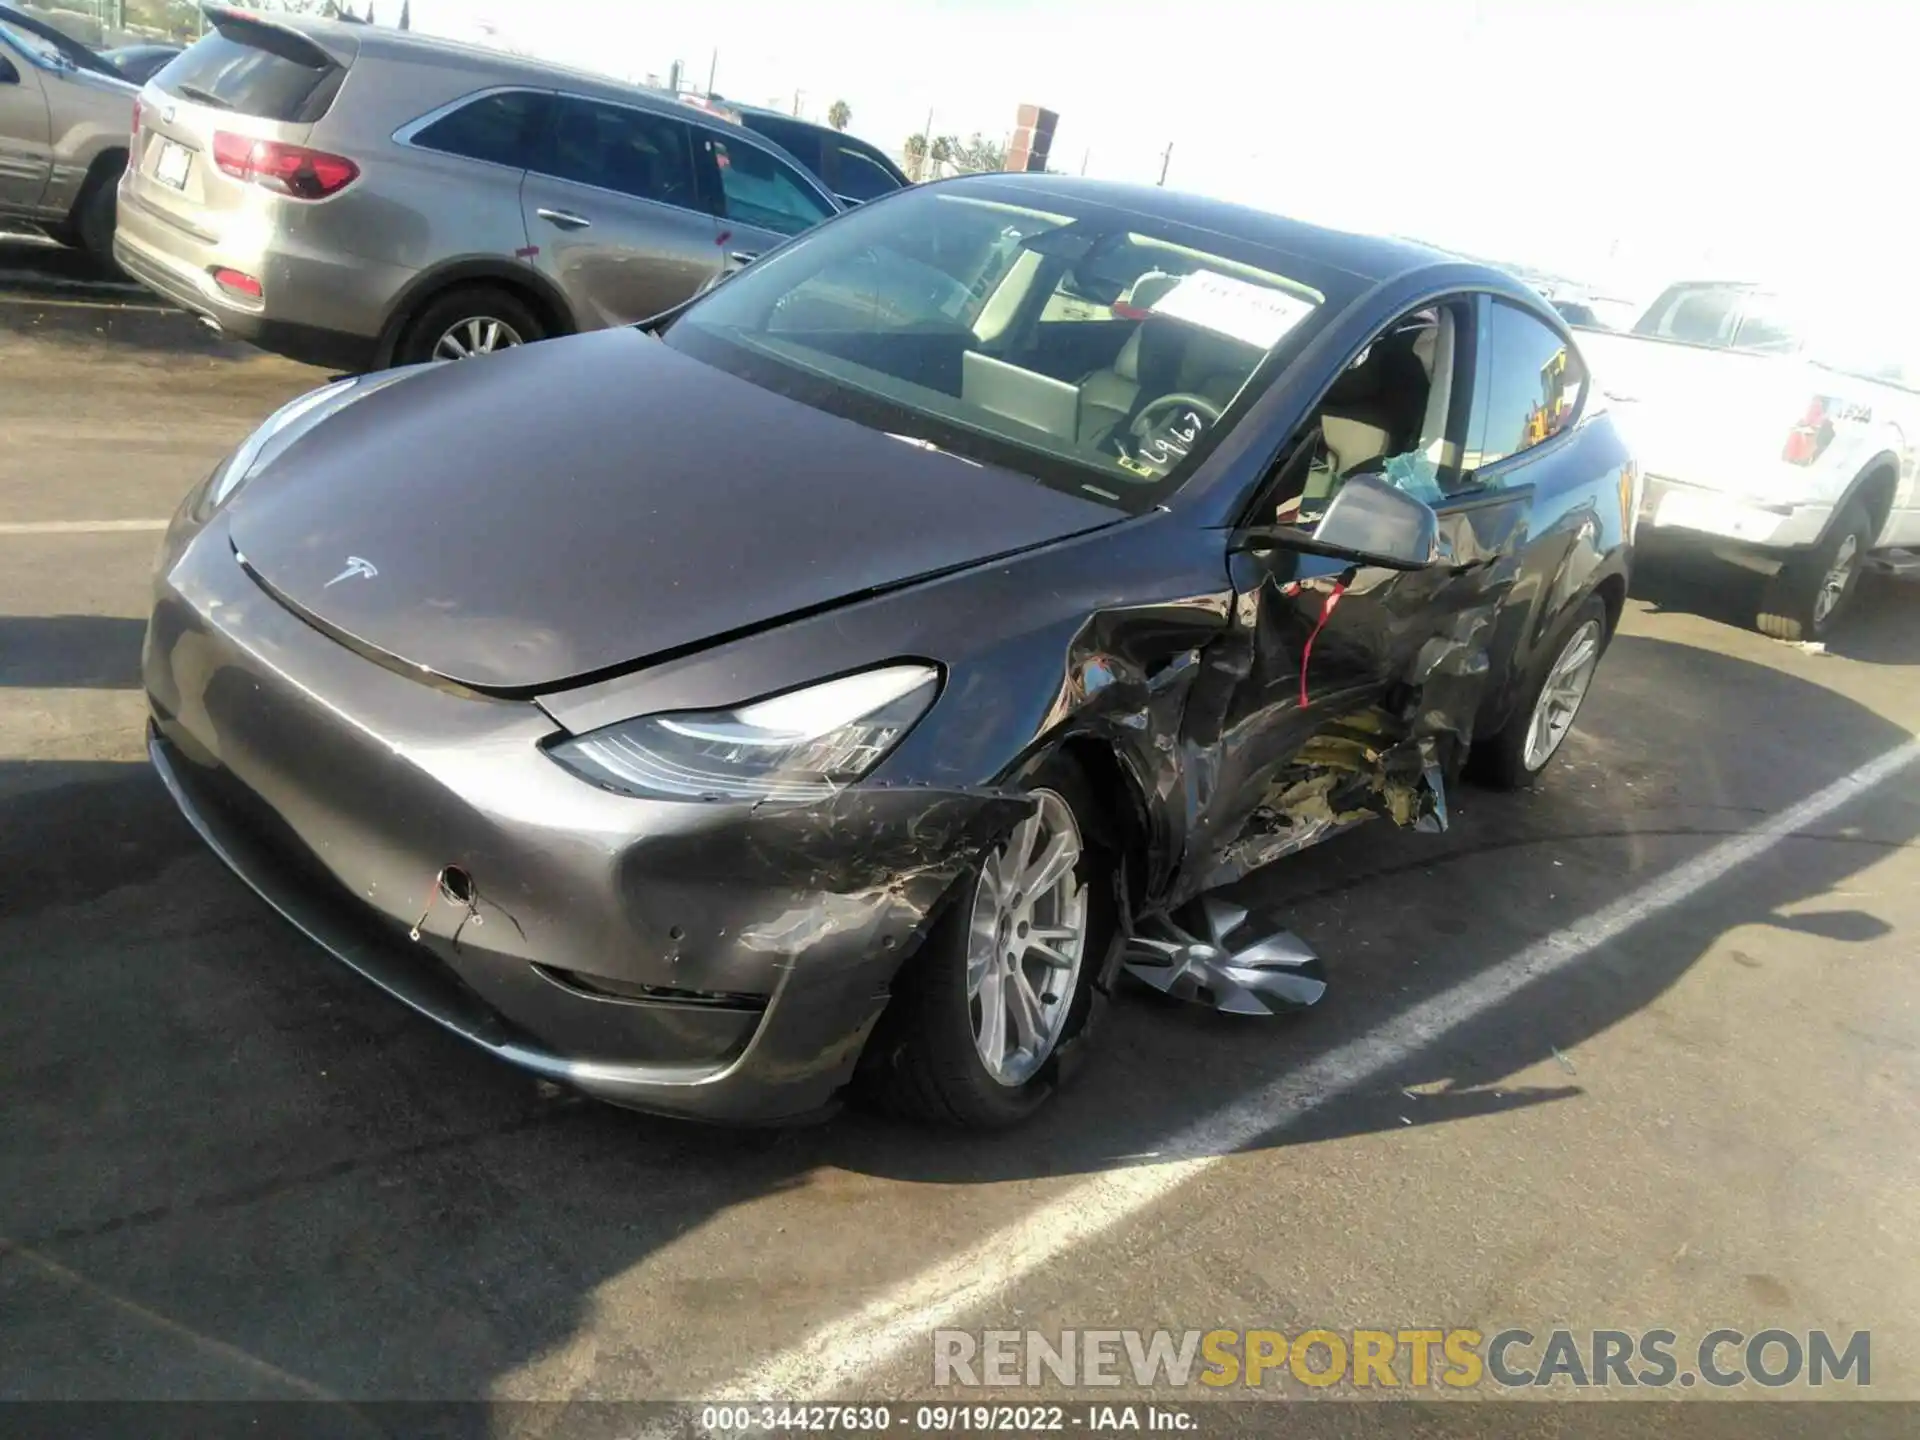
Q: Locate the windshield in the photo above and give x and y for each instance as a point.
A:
(1098, 351)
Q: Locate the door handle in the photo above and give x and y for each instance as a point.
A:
(565, 219)
(744, 257)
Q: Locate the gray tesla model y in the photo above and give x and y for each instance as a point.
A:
(842, 680)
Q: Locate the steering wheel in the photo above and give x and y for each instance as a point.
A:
(1154, 411)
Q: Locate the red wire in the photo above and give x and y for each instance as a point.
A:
(1306, 655)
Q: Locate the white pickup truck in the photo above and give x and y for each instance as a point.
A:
(1781, 437)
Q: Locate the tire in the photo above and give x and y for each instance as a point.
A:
(1798, 603)
(462, 309)
(97, 212)
(923, 1061)
(1505, 760)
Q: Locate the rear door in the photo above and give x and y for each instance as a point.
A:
(762, 199)
(248, 79)
(1543, 500)
(615, 213)
(26, 157)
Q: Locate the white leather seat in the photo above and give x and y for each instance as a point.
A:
(1107, 396)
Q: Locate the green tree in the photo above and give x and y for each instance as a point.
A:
(838, 114)
(977, 154)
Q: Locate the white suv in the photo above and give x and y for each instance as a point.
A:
(1776, 433)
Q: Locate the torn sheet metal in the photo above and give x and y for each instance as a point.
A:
(1218, 953)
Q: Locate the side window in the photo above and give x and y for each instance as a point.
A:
(1766, 325)
(758, 190)
(1697, 314)
(1527, 389)
(798, 140)
(502, 129)
(634, 152)
(860, 176)
(1395, 413)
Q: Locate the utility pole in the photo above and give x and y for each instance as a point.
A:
(713, 68)
(796, 104)
(1088, 155)
(926, 150)
(1166, 159)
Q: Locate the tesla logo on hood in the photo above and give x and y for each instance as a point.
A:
(365, 569)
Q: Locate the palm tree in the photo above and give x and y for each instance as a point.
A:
(838, 114)
(914, 152)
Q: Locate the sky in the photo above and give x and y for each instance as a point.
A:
(1618, 141)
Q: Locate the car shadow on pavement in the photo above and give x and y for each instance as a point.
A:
(241, 1171)
(67, 652)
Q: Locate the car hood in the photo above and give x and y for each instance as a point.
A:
(569, 508)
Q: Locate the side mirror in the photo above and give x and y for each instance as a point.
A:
(8, 75)
(1368, 522)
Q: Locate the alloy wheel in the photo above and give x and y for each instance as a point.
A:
(1835, 583)
(1560, 697)
(1026, 941)
(476, 335)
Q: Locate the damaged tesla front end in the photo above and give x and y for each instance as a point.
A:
(843, 680)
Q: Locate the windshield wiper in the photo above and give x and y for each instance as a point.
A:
(205, 97)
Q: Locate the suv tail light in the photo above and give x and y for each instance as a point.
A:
(1811, 435)
(288, 169)
(133, 136)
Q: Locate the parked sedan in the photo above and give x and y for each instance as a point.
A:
(355, 196)
(831, 684)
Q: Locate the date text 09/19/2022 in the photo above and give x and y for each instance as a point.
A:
(944, 1419)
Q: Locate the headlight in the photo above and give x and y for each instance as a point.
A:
(802, 745)
(288, 424)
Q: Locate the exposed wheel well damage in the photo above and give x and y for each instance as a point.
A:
(1122, 826)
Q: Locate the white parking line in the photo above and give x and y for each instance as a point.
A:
(78, 527)
(832, 1361)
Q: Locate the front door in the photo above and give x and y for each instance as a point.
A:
(1314, 703)
(26, 156)
(615, 214)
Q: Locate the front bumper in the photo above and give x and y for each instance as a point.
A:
(714, 961)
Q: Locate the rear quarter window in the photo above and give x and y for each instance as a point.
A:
(1529, 386)
(240, 73)
(502, 129)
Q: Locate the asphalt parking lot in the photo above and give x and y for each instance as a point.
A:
(1638, 1049)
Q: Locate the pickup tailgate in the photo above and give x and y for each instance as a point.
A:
(1708, 417)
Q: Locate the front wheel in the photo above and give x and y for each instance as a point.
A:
(1806, 599)
(1002, 990)
(1516, 755)
(97, 214)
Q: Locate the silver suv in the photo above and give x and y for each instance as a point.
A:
(358, 197)
(64, 114)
